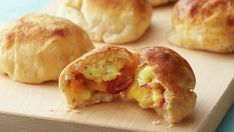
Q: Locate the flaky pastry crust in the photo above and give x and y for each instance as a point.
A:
(36, 47)
(177, 78)
(109, 21)
(204, 25)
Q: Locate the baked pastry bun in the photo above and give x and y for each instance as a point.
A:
(204, 25)
(164, 81)
(109, 21)
(36, 47)
(155, 77)
(160, 2)
(97, 76)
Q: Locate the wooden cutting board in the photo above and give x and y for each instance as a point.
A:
(43, 108)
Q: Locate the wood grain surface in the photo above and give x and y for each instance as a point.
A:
(25, 107)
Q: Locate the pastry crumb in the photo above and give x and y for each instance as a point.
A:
(51, 110)
(69, 110)
(76, 111)
(156, 122)
(170, 126)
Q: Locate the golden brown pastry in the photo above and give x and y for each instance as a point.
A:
(109, 21)
(164, 81)
(155, 77)
(36, 47)
(97, 76)
(204, 25)
(160, 2)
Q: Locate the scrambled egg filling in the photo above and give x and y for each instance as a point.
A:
(95, 75)
(146, 89)
(104, 69)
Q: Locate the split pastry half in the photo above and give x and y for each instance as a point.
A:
(154, 77)
(98, 76)
(164, 81)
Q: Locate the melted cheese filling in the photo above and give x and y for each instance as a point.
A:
(146, 89)
(85, 91)
(77, 95)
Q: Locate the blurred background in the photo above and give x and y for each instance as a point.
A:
(12, 9)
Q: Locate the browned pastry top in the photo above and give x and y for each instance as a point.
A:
(120, 5)
(170, 68)
(194, 9)
(31, 28)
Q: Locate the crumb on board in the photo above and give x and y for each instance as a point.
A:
(156, 122)
(51, 110)
(70, 110)
(170, 126)
(76, 111)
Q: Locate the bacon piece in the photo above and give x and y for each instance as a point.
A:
(122, 82)
(119, 84)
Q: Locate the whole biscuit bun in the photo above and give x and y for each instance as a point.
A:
(204, 25)
(160, 2)
(109, 21)
(36, 47)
